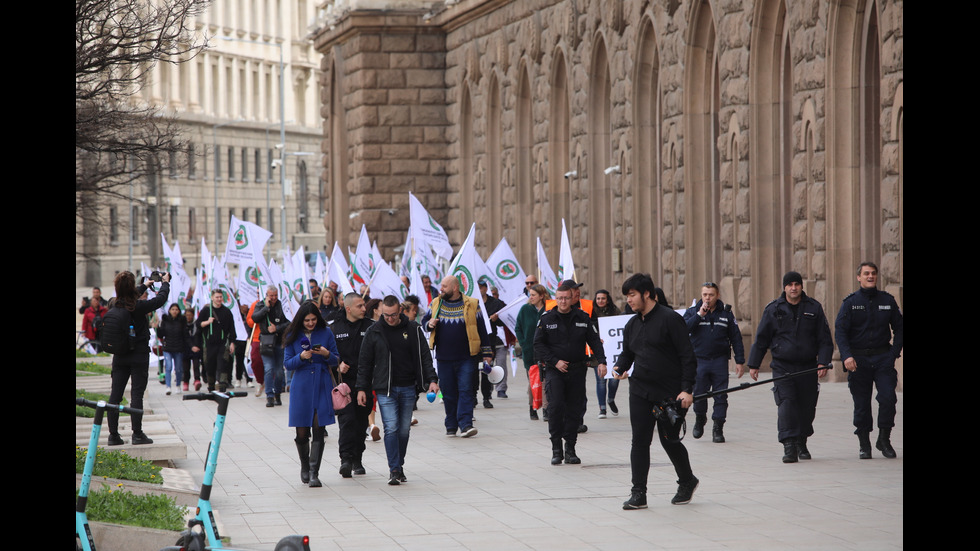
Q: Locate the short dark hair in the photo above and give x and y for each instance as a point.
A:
(641, 283)
(391, 300)
(869, 264)
(565, 287)
(413, 299)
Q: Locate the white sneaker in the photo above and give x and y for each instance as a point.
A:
(168, 391)
(177, 389)
(602, 415)
(251, 384)
(260, 390)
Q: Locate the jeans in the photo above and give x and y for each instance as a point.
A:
(601, 384)
(173, 361)
(275, 379)
(456, 383)
(396, 412)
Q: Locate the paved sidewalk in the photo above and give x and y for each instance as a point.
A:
(498, 491)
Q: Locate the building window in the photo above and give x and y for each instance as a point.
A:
(217, 163)
(258, 217)
(173, 222)
(191, 230)
(134, 227)
(231, 164)
(173, 164)
(258, 165)
(244, 164)
(269, 169)
(191, 162)
(113, 226)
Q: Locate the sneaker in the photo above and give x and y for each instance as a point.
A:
(270, 402)
(259, 390)
(279, 399)
(177, 389)
(534, 415)
(450, 432)
(415, 420)
(401, 476)
(169, 391)
(602, 414)
(469, 431)
(358, 467)
(685, 490)
(140, 438)
(185, 387)
(116, 440)
(613, 408)
(375, 433)
(197, 385)
(637, 500)
(501, 394)
(583, 428)
(393, 480)
(487, 404)
(250, 384)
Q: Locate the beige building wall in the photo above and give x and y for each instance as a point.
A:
(697, 140)
(226, 101)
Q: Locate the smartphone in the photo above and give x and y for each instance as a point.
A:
(316, 347)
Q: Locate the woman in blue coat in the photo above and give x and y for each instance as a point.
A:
(309, 351)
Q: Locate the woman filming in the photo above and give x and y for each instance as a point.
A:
(133, 363)
(309, 351)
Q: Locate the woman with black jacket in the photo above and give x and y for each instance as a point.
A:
(172, 332)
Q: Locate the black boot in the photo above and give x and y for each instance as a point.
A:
(346, 467)
(717, 433)
(570, 456)
(790, 451)
(358, 467)
(865, 442)
(804, 453)
(883, 444)
(534, 414)
(556, 454)
(700, 420)
(303, 449)
(316, 454)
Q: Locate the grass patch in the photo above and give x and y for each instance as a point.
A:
(92, 368)
(119, 464)
(95, 397)
(120, 506)
(83, 354)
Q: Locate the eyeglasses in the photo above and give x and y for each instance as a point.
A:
(530, 283)
(392, 316)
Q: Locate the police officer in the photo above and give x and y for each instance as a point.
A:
(559, 345)
(869, 332)
(714, 335)
(349, 330)
(795, 328)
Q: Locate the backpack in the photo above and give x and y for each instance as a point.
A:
(98, 322)
(115, 331)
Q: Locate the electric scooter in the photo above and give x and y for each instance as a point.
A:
(83, 533)
(202, 531)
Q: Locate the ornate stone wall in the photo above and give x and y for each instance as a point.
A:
(698, 140)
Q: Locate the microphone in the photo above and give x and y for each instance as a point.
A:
(304, 343)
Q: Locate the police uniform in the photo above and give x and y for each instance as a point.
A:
(563, 337)
(799, 338)
(353, 419)
(714, 337)
(869, 328)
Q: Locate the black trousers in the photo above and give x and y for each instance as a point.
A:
(135, 366)
(353, 423)
(217, 367)
(566, 403)
(643, 423)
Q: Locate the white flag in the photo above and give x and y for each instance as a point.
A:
(503, 264)
(245, 241)
(362, 263)
(427, 229)
(545, 274)
(566, 267)
(386, 282)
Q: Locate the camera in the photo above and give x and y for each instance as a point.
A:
(156, 276)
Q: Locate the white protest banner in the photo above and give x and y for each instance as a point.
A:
(611, 333)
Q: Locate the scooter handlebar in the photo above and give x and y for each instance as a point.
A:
(212, 395)
(96, 405)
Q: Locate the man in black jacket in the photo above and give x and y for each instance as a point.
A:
(217, 328)
(395, 363)
(348, 331)
(795, 328)
(272, 322)
(559, 346)
(656, 344)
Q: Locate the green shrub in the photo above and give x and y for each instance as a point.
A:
(119, 464)
(120, 506)
(89, 413)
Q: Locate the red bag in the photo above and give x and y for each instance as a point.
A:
(535, 380)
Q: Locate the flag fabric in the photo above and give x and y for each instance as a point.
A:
(566, 267)
(252, 282)
(361, 262)
(469, 268)
(503, 264)
(386, 282)
(545, 274)
(338, 274)
(427, 230)
(320, 269)
(245, 241)
(417, 288)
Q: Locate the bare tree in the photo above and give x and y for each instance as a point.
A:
(118, 136)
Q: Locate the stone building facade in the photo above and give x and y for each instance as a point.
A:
(226, 101)
(697, 140)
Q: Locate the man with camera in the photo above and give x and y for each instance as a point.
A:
(656, 344)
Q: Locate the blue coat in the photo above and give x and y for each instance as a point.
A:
(310, 388)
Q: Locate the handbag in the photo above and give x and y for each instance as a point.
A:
(267, 343)
(341, 395)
